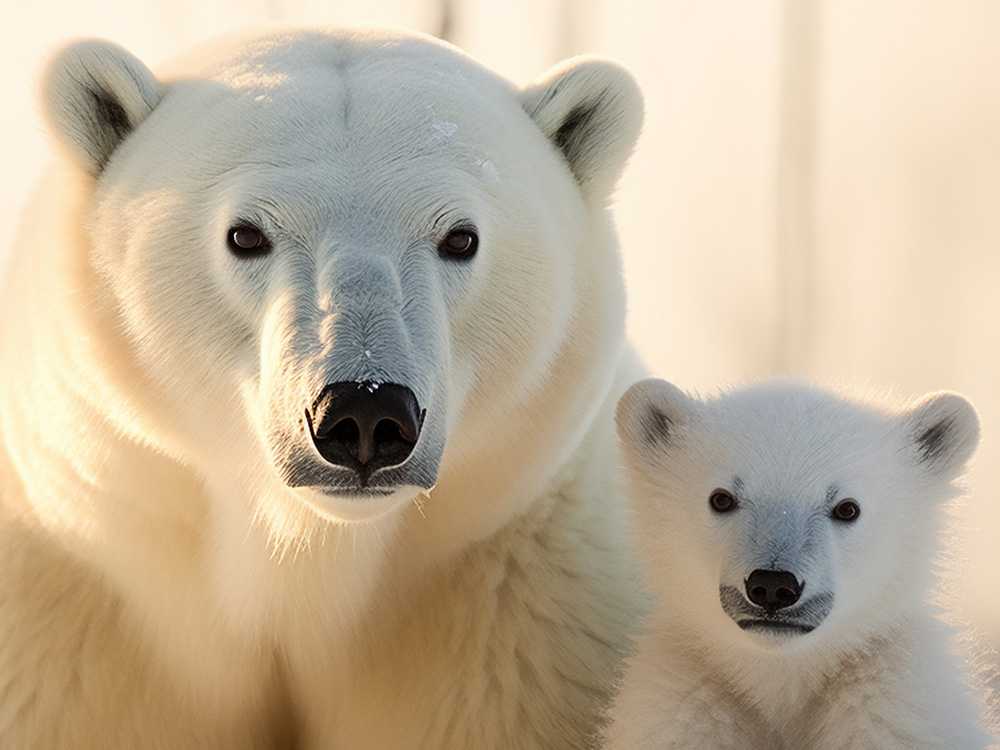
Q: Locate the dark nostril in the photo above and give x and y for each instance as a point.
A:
(365, 426)
(786, 596)
(346, 430)
(773, 589)
(389, 430)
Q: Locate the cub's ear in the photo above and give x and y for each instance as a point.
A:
(653, 416)
(942, 432)
(94, 94)
(591, 110)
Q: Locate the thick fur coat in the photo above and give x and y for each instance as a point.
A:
(193, 552)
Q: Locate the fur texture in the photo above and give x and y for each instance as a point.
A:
(788, 536)
(179, 566)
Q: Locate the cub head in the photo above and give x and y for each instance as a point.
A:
(322, 259)
(786, 512)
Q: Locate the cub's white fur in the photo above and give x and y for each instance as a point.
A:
(788, 536)
(180, 567)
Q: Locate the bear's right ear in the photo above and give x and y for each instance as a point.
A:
(590, 108)
(653, 415)
(94, 94)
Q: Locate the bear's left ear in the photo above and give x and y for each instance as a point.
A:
(590, 108)
(94, 94)
(942, 431)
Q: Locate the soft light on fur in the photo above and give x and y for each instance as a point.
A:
(180, 567)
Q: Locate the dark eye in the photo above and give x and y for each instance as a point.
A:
(246, 240)
(722, 501)
(460, 243)
(846, 510)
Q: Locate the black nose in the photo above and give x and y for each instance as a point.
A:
(365, 426)
(773, 589)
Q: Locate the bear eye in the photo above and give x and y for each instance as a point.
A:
(460, 243)
(846, 510)
(247, 241)
(722, 501)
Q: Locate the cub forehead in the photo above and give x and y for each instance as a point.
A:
(789, 418)
(787, 429)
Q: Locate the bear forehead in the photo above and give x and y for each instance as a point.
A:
(368, 66)
(359, 102)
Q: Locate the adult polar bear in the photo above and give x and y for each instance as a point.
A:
(309, 354)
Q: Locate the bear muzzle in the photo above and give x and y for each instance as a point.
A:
(365, 426)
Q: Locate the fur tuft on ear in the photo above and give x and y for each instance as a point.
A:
(652, 415)
(590, 108)
(94, 94)
(943, 432)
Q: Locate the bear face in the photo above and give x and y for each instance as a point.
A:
(330, 255)
(780, 516)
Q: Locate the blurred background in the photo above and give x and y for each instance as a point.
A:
(816, 191)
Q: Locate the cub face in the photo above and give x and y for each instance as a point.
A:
(328, 252)
(786, 514)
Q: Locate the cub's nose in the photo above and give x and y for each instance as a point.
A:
(365, 426)
(773, 589)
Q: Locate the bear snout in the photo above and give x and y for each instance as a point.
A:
(773, 589)
(365, 426)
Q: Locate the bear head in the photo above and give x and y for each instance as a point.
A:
(327, 266)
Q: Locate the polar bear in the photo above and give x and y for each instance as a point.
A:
(787, 535)
(308, 361)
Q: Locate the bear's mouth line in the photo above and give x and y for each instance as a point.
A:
(359, 492)
(298, 467)
(340, 483)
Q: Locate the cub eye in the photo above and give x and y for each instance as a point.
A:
(460, 243)
(846, 510)
(722, 501)
(246, 241)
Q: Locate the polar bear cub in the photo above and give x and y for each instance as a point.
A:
(788, 536)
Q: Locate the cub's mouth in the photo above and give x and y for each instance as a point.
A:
(779, 627)
(803, 617)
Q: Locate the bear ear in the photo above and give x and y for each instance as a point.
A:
(653, 415)
(94, 94)
(942, 432)
(590, 108)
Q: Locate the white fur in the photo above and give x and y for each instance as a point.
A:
(880, 670)
(163, 585)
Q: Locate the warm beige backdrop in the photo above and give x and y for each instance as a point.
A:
(817, 190)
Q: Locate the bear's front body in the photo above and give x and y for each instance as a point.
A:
(788, 535)
(308, 356)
